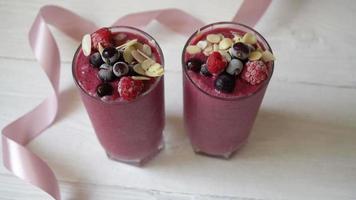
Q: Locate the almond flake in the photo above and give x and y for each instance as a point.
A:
(213, 38)
(225, 43)
(249, 38)
(138, 69)
(143, 54)
(255, 55)
(147, 64)
(137, 56)
(127, 54)
(127, 44)
(226, 55)
(207, 51)
(202, 44)
(267, 56)
(193, 49)
(147, 49)
(142, 78)
(237, 38)
(86, 44)
(215, 47)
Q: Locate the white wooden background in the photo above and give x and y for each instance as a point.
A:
(303, 145)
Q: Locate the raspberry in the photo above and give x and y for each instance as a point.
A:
(255, 72)
(102, 36)
(215, 63)
(129, 89)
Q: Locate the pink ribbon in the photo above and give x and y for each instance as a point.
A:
(16, 135)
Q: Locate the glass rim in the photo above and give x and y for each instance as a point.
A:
(264, 84)
(153, 86)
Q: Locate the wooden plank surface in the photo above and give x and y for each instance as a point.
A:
(303, 141)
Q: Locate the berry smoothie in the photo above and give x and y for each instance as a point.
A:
(227, 68)
(119, 73)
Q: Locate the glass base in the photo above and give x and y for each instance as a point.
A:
(226, 155)
(138, 162)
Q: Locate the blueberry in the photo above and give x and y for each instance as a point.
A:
(225, 83)
(235, 67)
(104, 89)
(106, 73)
(240, 51)
(110, 55)
(96, 60)
(204, 71)
(120, 69)
(194, 64)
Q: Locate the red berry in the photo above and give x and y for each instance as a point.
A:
(129, 89)
(102, 36)
(255, 72)
(216, 63)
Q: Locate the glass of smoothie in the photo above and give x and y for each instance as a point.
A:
(119, 73)
(226, 70)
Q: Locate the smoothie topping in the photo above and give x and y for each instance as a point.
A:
(228, 59)
(127, 66)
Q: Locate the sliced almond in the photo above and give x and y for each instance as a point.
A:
(147, 49)
(127, 44)
(215, 47)
(267, 56)
(193, 49)
(213, 38)
(86, 44)
(147, 64)
(249, 38)
(127, 54)
(142, 78)
(138, 69)
(207, 51)
(226, 55)
(143, 54)
(237, 38)
(225, 43)
(100, 49)
(202, 44)
(137, 56)
(255, 55)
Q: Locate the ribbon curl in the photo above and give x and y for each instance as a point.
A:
(15, 136)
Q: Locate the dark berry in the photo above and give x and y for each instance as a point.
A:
(194, 64)
(225, 83)
(95, 60)
(120, 69)
(104, 89)
(204, 71)
(106, 73)
(240, 51)
(110, 55)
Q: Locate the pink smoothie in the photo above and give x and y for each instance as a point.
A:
(129, 131)
(219, 123)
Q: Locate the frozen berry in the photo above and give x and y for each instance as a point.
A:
(120, 69)
(225, 83)
(194, 64)
(235, 67)
(204, 70)
(240, 51)
(129, 89)
(96, 60)
(104, 89)
(255, 72)
(106, 73)
(110, 55)
(102, 36)
(216, 63)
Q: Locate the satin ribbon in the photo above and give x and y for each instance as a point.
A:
(15, 136)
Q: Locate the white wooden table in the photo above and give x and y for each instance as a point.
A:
(303, 144)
